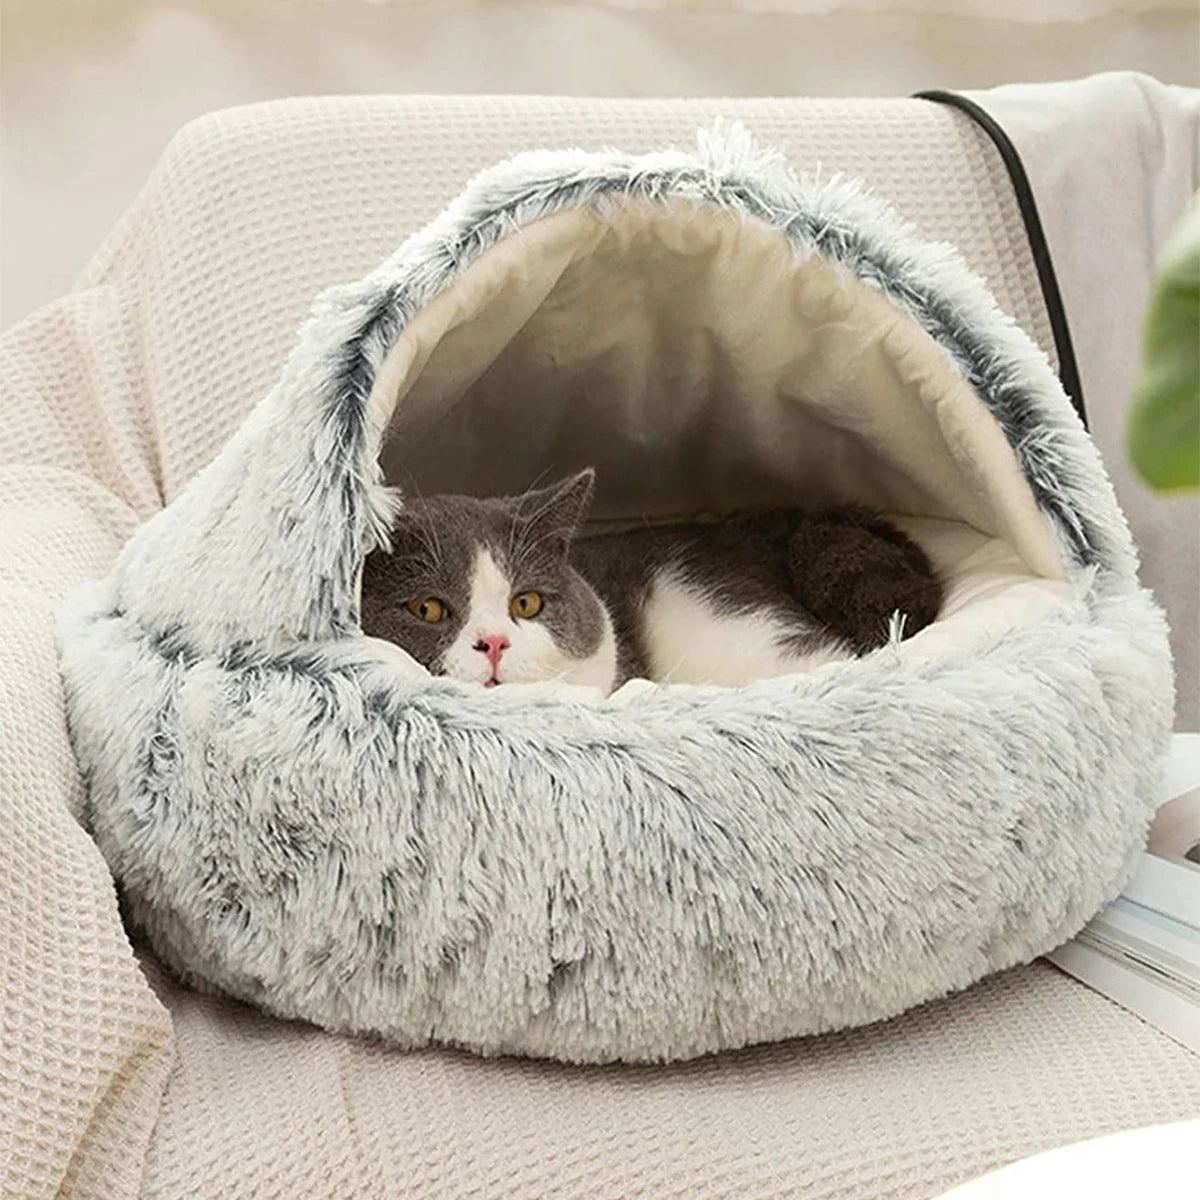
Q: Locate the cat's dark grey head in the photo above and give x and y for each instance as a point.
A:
(482, 590)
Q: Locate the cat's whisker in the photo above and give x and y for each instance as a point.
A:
(432, 542)
(527, 548)
(425, 524)
(511, 544)
(535, 482)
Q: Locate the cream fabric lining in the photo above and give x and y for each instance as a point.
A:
(988, 590)
(701, 367)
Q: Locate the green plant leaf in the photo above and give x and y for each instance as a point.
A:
(1164, 422)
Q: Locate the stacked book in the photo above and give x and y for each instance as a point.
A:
(1143, 950)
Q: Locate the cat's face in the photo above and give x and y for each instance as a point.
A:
(481, 590)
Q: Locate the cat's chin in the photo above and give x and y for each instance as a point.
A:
(477, 683)
(540, 689)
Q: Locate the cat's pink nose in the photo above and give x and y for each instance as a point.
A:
(493, 647)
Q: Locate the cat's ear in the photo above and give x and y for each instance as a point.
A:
(556, 512)
(572, 497)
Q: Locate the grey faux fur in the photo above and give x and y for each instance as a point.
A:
(297, 824)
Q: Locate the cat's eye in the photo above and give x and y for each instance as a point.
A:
(526, 604)
(430, 609)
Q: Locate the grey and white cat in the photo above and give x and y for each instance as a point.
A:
(502, 591)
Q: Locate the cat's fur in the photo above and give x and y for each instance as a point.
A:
(749, 597)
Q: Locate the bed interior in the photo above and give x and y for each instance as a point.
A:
(702, 366)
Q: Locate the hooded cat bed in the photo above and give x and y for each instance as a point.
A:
(301, 817)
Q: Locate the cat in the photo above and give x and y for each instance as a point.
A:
(501, 590)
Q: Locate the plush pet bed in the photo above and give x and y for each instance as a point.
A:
(301, 817)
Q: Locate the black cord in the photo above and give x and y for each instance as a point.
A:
(1068, 368)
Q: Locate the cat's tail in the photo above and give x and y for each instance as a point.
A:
(853, 570)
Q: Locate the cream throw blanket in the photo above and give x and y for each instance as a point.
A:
(112, 399)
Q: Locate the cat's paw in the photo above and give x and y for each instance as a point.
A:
(854, 570)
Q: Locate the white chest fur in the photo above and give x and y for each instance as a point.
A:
(689, 641)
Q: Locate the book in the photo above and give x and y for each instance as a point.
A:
(1143, 950)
